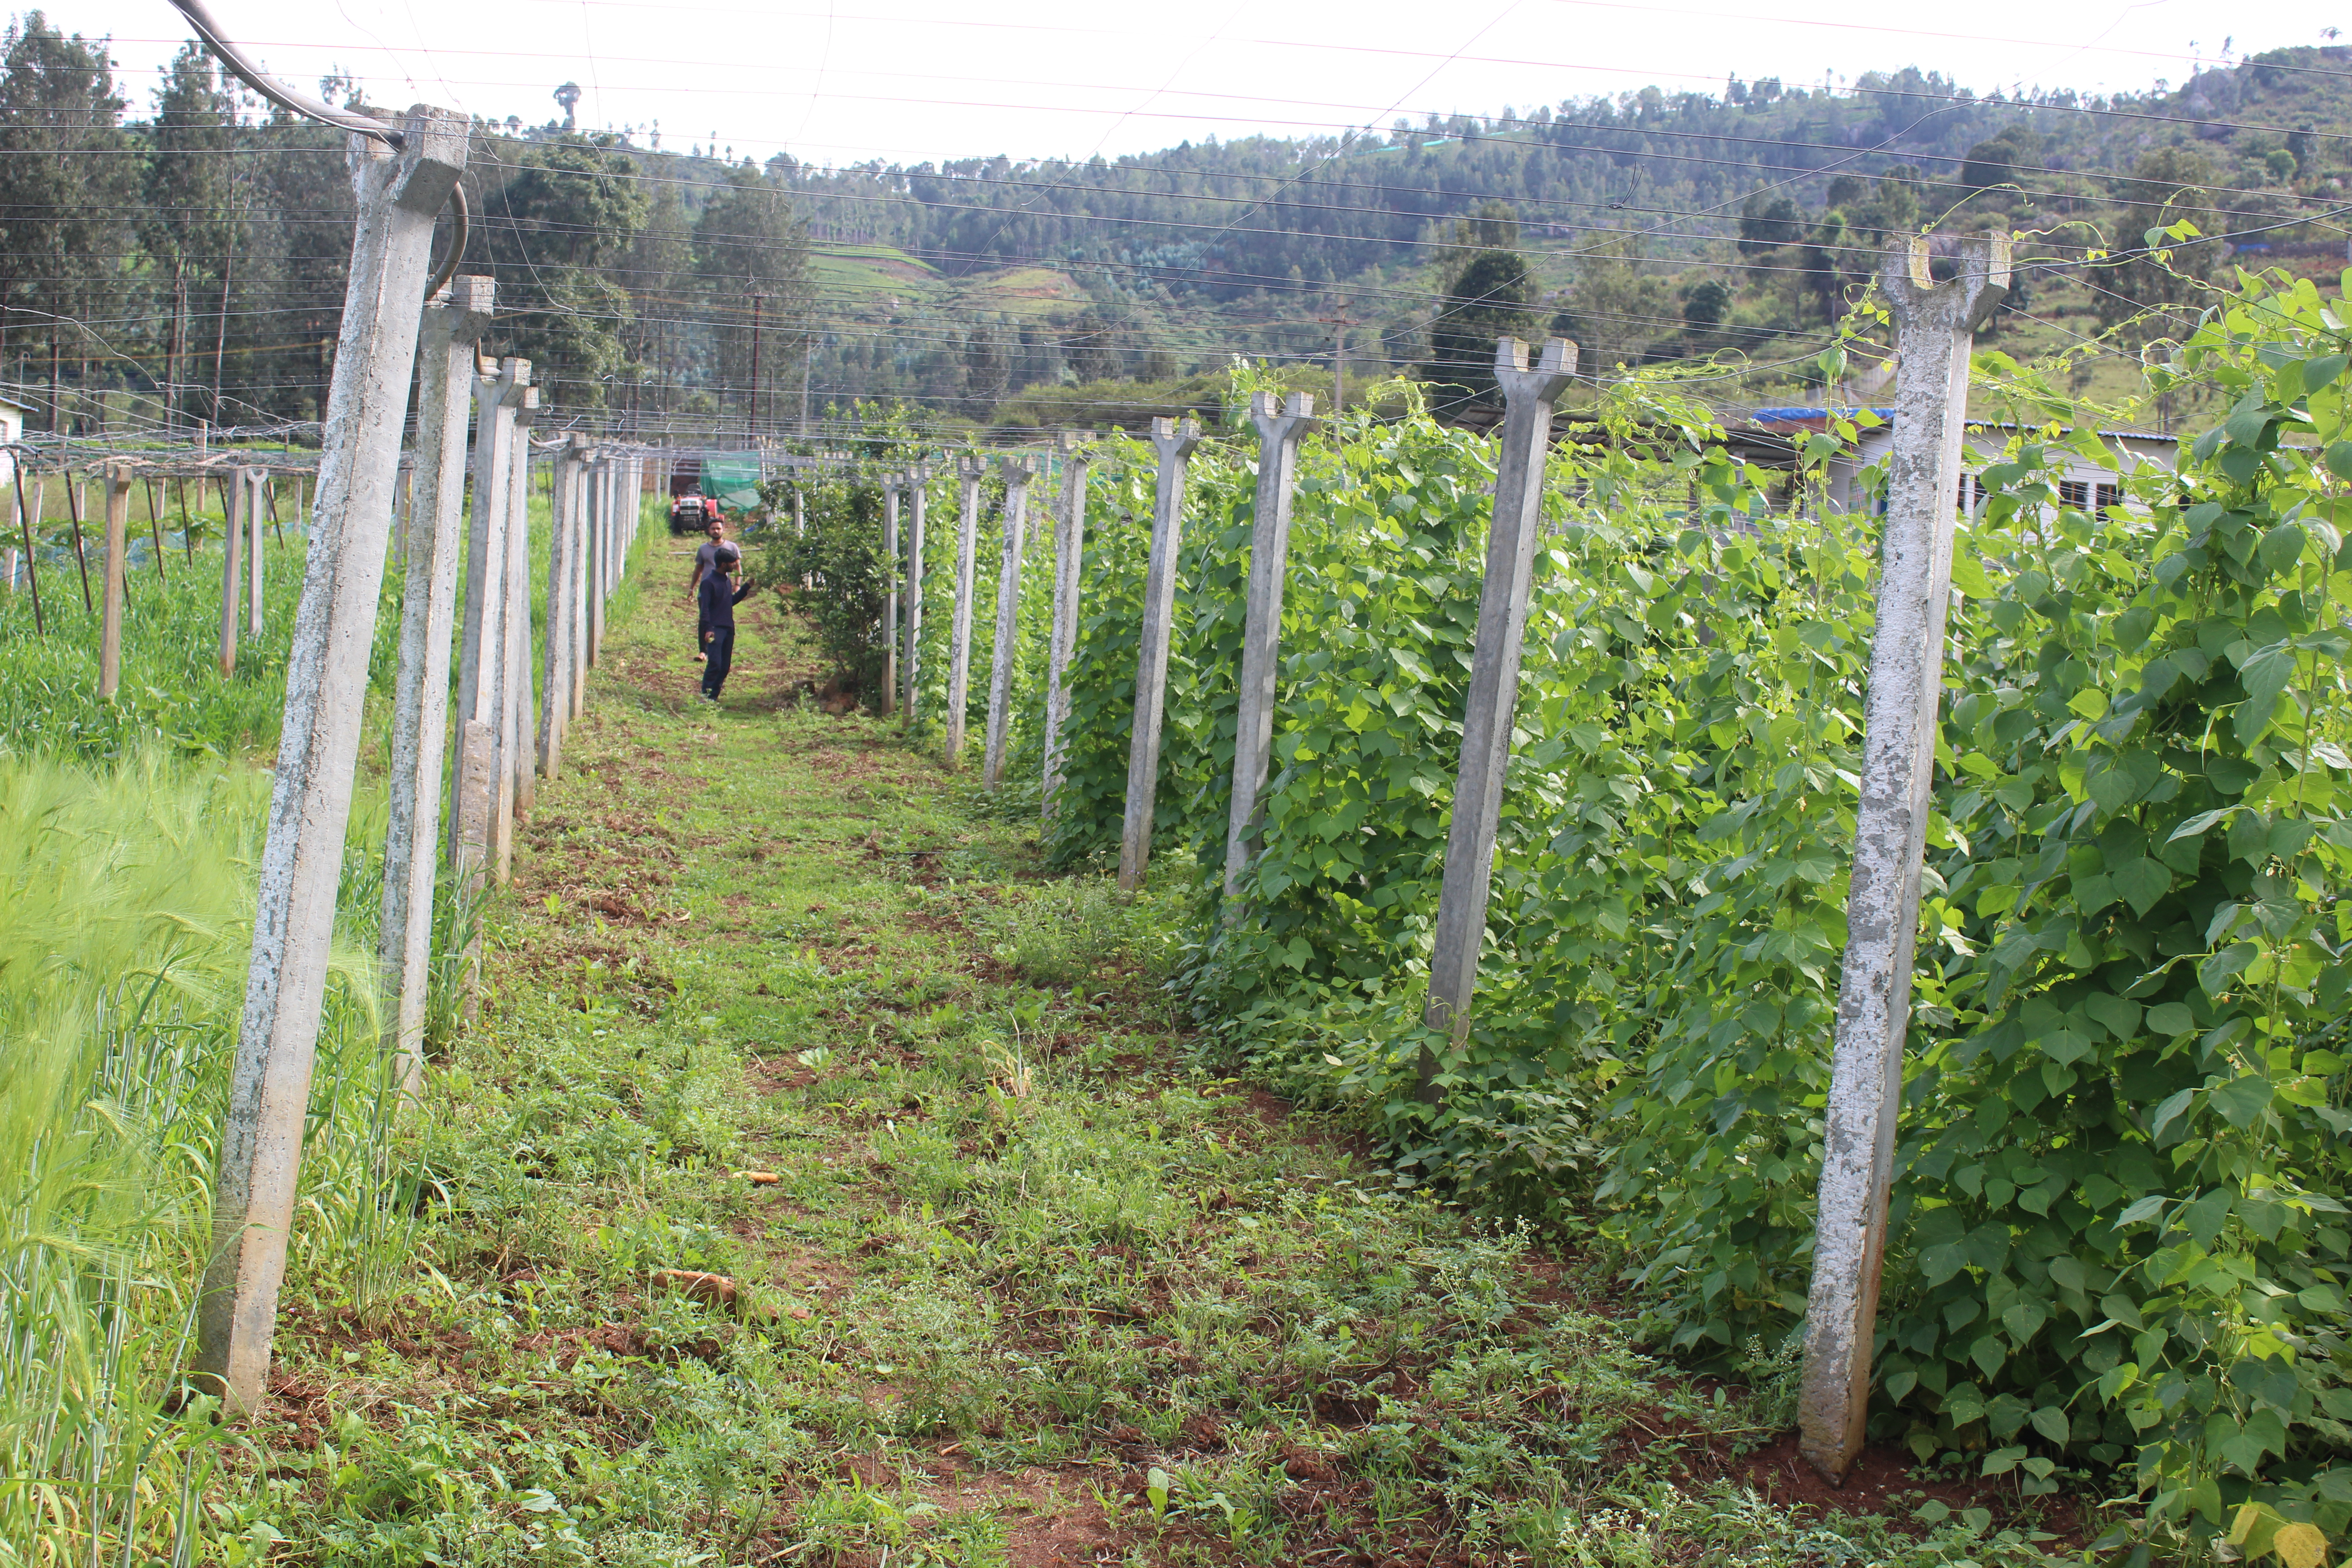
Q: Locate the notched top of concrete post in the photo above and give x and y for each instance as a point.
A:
(1266, 406)
(433, 156)
(1069, 443)
(971, 464)
(1175, 440)
(1547, 378)
(514, 381)
(1017, 468)
(1270, 414)
(467, 302)
(527, 411)
(1953, 280)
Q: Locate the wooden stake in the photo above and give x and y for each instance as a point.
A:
(155, 531)
(73, 510)
(118, 545)
(24, 522)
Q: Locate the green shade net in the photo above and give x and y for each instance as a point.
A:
(732, 478)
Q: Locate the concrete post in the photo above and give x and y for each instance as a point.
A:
(891, 484)
(255, 481)
(1278, 434)
(513, 722)
(582, 571)
(420, 704)
(398, 194)
(118, 544)
(1069, 559)
(555, 684)
(600, 552)
(232, 560)
(480, 638)
(1175, 445)
(1018, 472)
(918, 495)
(1933, 324)
(970, 467)
(1526, 441)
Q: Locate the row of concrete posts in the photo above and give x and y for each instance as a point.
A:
(402, 179)
(1936, 300)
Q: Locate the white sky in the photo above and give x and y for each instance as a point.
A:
(840, 81)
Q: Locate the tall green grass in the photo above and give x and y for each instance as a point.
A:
(123, 943)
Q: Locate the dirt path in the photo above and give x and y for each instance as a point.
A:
(1018, 1280)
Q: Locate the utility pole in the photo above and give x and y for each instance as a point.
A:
(1340, 356)
(756, 300)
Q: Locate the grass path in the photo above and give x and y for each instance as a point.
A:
(1029, 1284)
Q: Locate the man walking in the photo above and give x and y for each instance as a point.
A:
(716, 598)
(716, 528)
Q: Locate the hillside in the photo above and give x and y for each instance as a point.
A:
(1151, 267)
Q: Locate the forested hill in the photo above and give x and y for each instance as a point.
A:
(1146, 267)
(1673, 168)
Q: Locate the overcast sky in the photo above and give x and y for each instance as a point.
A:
(906, 80)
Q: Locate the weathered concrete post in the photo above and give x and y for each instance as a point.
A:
(1933, 324)
(971, 468)
(891, 485)
(600, 550)
(482, 637)
(255, 481)
(398, 196)
(118, 544)
(1528, 399)
(1279, 431)
(420, 704)
(232, 560)
(1018, 472)
(582, 571)
(555, 681)
(1070, 558)
(515, 775)
(918, 495)
(1175, 445)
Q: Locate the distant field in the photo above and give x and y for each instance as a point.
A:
(881, 276)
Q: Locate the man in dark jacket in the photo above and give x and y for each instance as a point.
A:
(716, 597)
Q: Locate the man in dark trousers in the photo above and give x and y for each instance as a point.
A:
(716, 598)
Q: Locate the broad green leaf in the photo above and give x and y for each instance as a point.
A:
(2242, 1099)
(2142, 882)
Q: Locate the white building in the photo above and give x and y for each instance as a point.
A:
(2081, 483)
